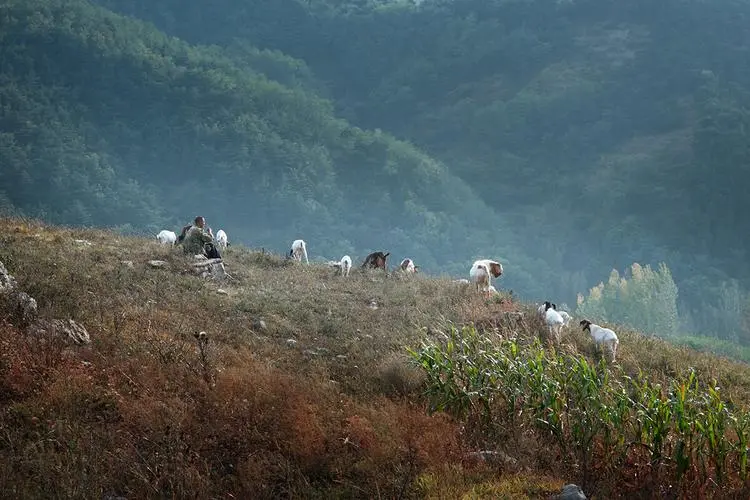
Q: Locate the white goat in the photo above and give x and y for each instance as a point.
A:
(602, 336)
(166, 237)
(407, 265)
(481, 271)
(566, 317)
(542, 309)
(299, 250)
(344, 265)
(554, 321)
(480, 275)
(221, 239)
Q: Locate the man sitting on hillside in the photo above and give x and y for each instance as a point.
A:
(199, 241)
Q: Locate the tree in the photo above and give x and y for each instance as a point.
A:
(645, 300)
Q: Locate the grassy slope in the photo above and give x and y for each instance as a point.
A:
(336, 414)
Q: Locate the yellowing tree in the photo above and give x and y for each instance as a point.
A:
(644, 299)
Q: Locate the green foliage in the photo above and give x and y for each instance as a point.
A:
(592, 414)
(125, 127)
(645, 300)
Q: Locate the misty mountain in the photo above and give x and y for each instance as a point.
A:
(564, 138)
(605, 132)
(107, 121)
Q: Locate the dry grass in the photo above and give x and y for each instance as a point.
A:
(318, 403)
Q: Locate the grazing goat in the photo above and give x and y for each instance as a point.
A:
(566, 317)
(376, 260)
(553, 320)
(221, 239)
(481, 271)
(602, 336)
(543, 309)
(344, 265)
(166, 237)
(407, 265)
(299, 250)
(480, 275)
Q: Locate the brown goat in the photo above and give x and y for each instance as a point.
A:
(376, 260)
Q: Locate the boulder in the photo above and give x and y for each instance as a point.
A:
(213, 268)
(62, 327)
(571, 492)
(22, 311)
(7, 282)
(18, 306)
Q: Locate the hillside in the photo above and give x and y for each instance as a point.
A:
(303, 389)
(109, 122)
(621, 124)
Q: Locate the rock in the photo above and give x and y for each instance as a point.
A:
(571, 492)
(210, 267)
(218, 271)
(7, 282)
(20, 307)
(62, 327)
(373, 305)
(25, 310)
(157, 263)
(291, 342)
(128, 263)
(221, 291)
(259, 324)
(85, 243)
(77, 333)
(341, 356)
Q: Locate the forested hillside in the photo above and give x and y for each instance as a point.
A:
(107, 121)
(604, 132)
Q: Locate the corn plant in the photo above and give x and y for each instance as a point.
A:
(684, 412)
(585, 394)
(712, 424)
(615, 414)
(741, 426)
(442, 389)
(509, 368)
(584, 407)
(546, 396)
(654, 414)
(460, 378)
